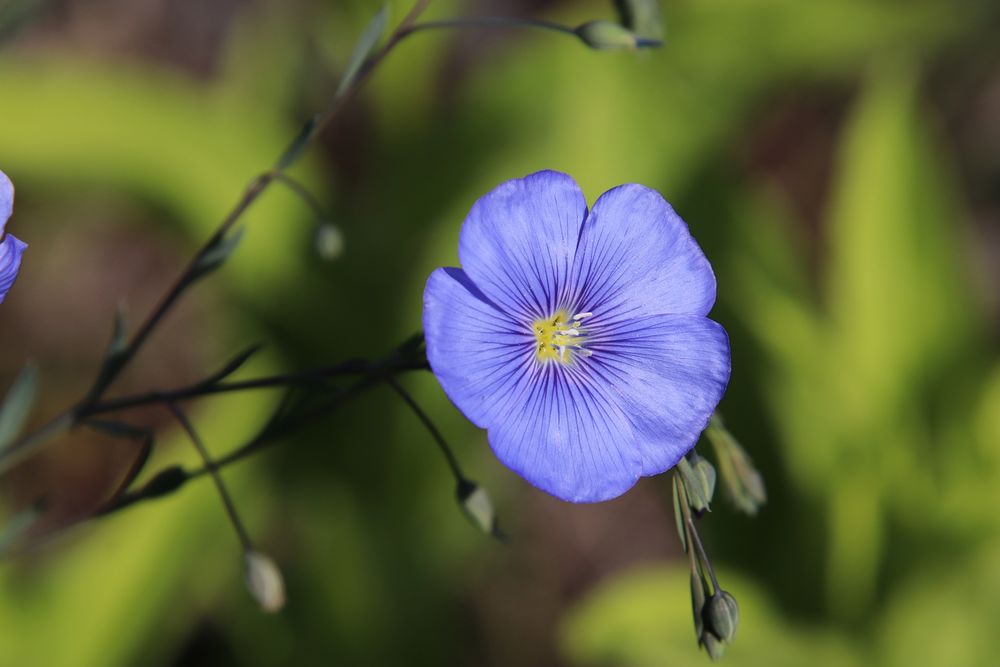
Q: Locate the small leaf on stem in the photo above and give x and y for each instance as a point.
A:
(17, 405)
(678, 513)
(363, 49)
(216, 254)
(18, 526)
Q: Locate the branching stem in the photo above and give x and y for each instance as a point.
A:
(227, 500)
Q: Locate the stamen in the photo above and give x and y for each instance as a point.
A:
(582, 316)
(557, 337)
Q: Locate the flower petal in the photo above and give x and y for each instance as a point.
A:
(567, 436)
(11, 250)
(638, 258)
(518, 242)
(6, 200)
(475, 350)
(671, 372)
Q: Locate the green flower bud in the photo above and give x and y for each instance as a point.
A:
(706, 475)
(698, 603)
(715, 648)
(722, 615)
(606, 35)
(699, 481)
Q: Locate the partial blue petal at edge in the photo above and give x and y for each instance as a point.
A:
(6, 200)
(11, 250)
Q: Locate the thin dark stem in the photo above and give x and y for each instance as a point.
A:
(702, 554)
(693, 537)
(685, 511)
(404, 29)
(250, 195)
(213, 470)
(269, 437)
(493, 22)
(378, 372)
(449, 455)
(21, 448)
(351, 367)
(253, 191)
(307, 197)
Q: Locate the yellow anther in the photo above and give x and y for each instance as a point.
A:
(557, 337)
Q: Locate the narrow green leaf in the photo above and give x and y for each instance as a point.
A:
(113, 358)
(232, 365)
(18, 526)
(118, 341)
(698, 603)
(297, 145)
(363, 49)
(17, 405)
(216, 255)
(678, 513)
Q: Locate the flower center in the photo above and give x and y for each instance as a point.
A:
(558, 337)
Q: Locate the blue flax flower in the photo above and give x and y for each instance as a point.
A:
(10, 248)
(578, 339)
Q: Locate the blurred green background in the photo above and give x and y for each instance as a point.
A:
(838, 161)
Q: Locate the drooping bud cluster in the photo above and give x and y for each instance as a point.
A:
(716, 613)
(719, 619)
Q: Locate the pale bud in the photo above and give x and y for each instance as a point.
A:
(478, 506)
(715, 648)
(329, 242)
(263, 579)
(606, 35)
